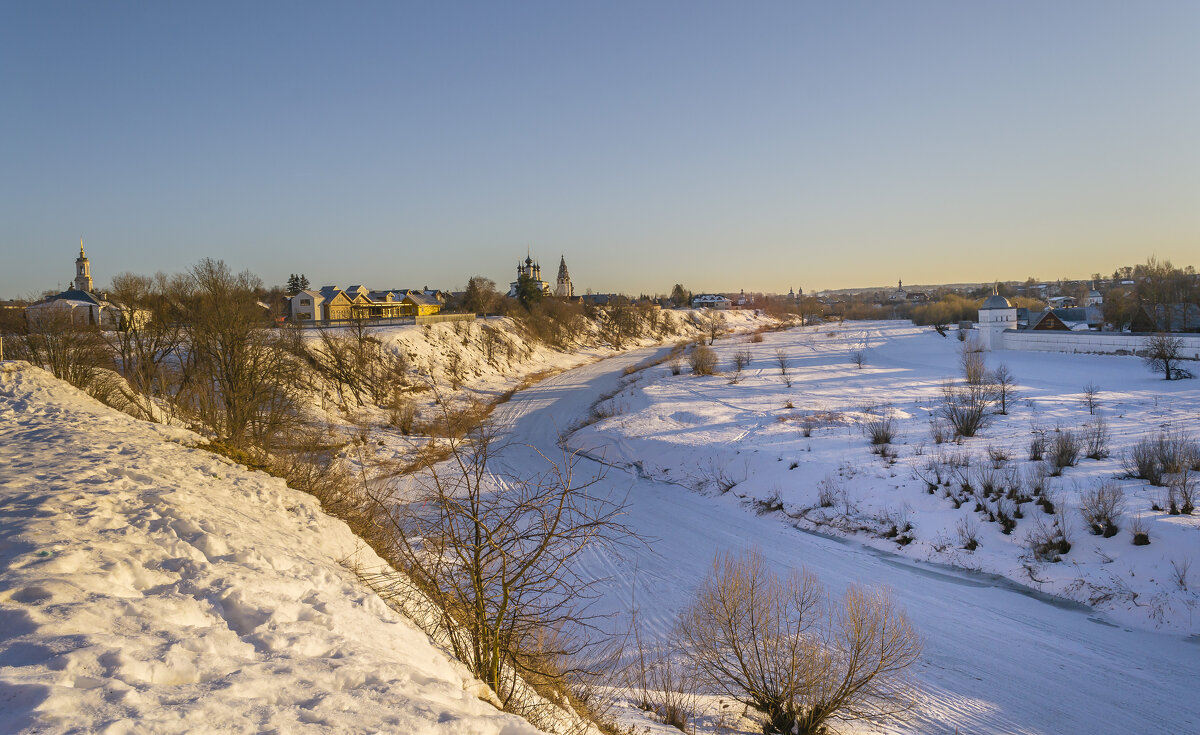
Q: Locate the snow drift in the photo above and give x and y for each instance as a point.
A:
(149, 586)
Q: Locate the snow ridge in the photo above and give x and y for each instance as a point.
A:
(149, 586)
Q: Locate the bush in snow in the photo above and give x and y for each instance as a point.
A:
(1095, 438)
(973, 366)
(1138, 532)
(965, 408)
(1048, 542)
(1154, 458)
(879, 425)
(968, 534)
(780, 646)
(1064, 451)
(1102, 508)
(703, 360)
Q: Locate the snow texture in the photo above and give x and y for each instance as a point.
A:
(150, 587)
(999, 657)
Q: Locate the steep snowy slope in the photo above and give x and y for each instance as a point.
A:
(146, 586)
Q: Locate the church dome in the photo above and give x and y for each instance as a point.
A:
(996, 301)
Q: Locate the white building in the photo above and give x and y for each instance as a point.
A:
(563, 288)
(81, 305)
(710, 301)
(995, 315)
(531, 270)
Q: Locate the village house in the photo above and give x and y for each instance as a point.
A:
(331, 303)
(710, 301)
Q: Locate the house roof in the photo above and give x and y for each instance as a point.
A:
(421, 299)
(1173, 317)
(1083, 314)
(74, 294)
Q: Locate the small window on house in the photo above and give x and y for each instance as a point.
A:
(306, 302)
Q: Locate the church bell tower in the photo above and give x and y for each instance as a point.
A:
(83, 271)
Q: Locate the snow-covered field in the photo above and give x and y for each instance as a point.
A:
(997, 659)
(146, 586)
(703, 431)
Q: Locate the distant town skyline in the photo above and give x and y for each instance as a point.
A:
(721, 146)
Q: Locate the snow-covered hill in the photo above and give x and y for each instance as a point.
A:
(147, 586)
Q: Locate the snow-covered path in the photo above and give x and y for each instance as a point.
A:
(996, 660)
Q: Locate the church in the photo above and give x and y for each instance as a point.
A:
(529, 269)
(82, 305)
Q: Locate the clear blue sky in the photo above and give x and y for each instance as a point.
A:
(723, 145)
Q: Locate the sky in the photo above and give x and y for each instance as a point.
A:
(725, 146)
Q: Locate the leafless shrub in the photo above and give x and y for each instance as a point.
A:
(828, 491)
(930, 472)
(76, 353)
(968, 534)
(1036, 478)
(1102, 507)
(721, 478)
(938, 430)
(986, 479)
(703, 360)
(858, 358)
(495, 560)
(965, 408)
(740, 360)
(1037, 446)
(1006, 515)
(1183, 486)
(974, 368)
(879, 424)
(1064, 450)
(1095, 438)
(1091, 397)
(1138, 531)
(784, 363)
(1179, 571)
(660, 681)
(756, 337)
(1048, 542)
(402, 414)
(807, 423)
(777, 645)
(243, 386)
(1155, 458)
(998, 456)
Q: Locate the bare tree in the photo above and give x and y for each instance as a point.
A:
(1162, 353)
(148, 345)
(492, 547)
(76, 353)
(714, 324)
(974, 368)
(481, 296)
(784, 363)
(243, 378)
(740, 360)
(1005, 387)
(1091, 397)
(778, 645)
(358, 364)
(858, 358)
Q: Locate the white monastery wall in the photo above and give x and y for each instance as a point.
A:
(1100, 343)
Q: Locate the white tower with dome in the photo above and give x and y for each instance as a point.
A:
(995, 316)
